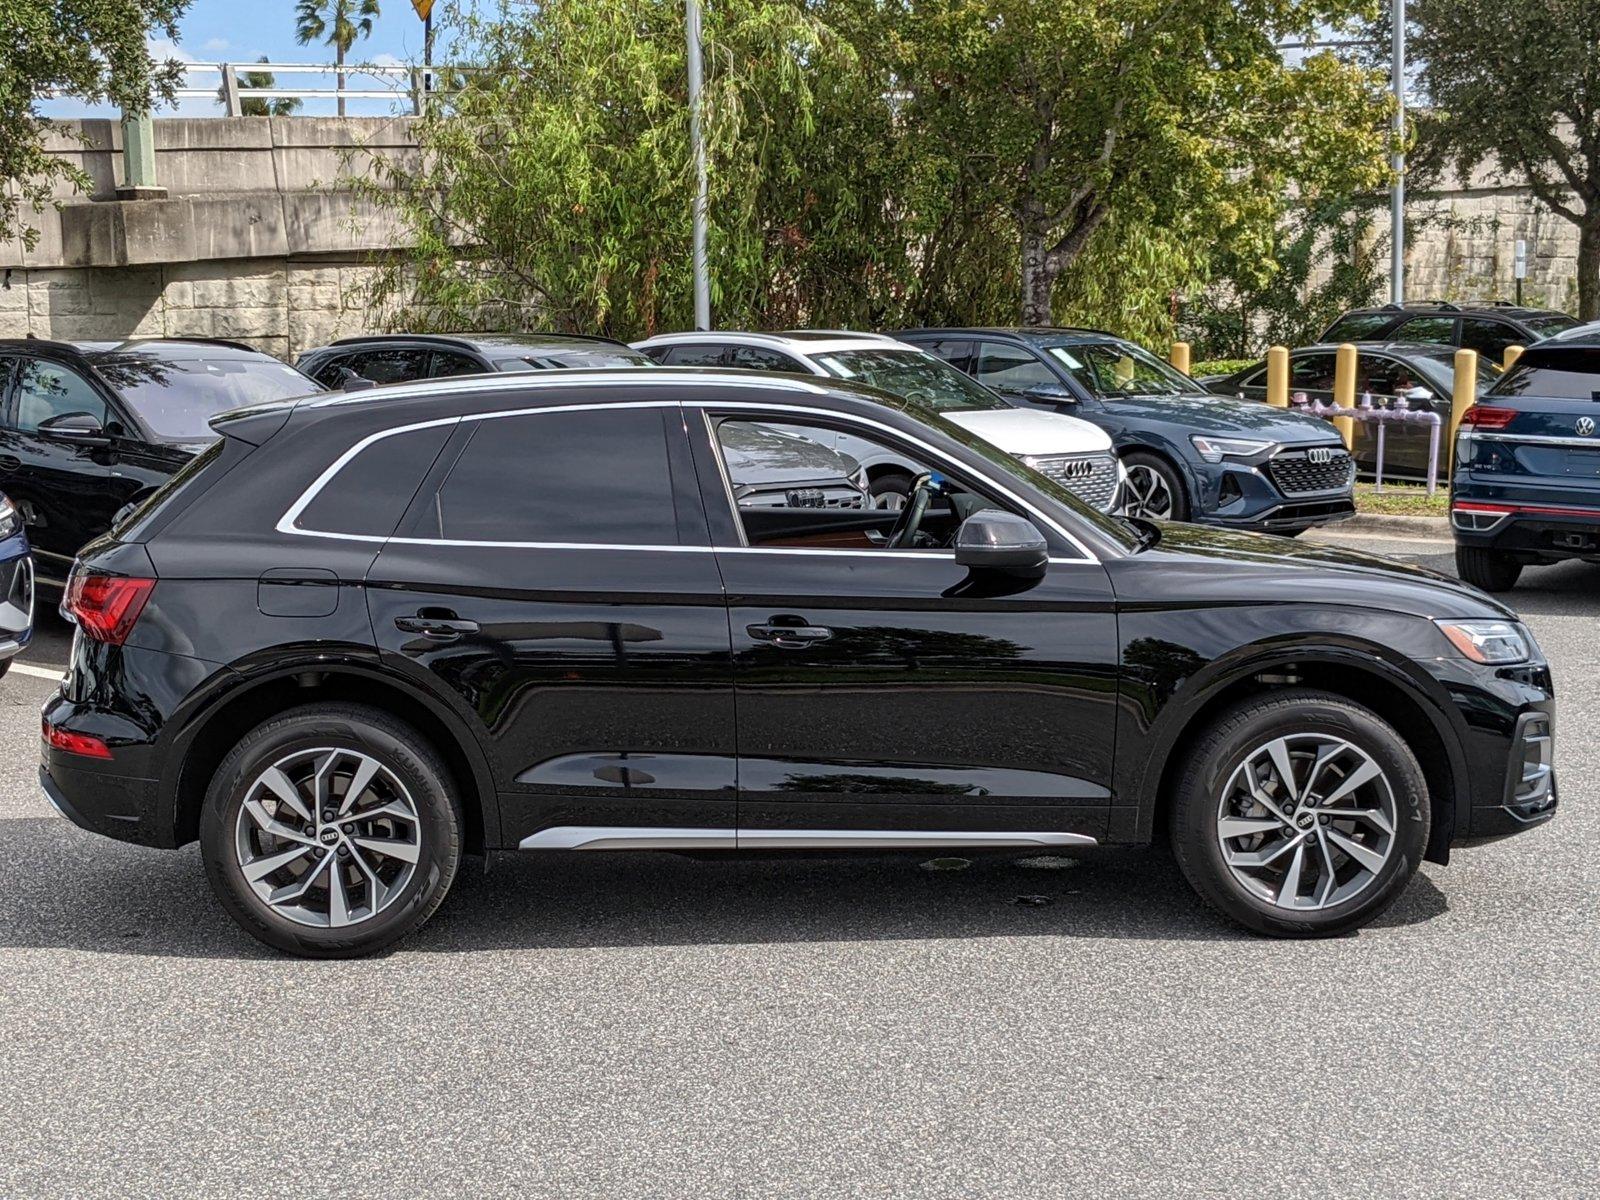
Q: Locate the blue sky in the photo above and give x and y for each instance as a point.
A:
(243, 30)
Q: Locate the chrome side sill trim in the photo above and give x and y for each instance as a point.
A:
(619, 837)
(624, 837)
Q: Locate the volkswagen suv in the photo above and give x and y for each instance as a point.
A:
(528, 613)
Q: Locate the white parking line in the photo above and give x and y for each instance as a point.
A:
(54, 674)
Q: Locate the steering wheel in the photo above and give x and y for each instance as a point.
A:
(905, 529)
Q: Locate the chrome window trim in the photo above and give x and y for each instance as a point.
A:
(289, 522)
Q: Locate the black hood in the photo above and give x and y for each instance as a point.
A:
(1194, 563)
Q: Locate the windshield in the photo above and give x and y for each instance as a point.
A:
(1441, 371)
(176, 399)
(1555, 323)
(914, 375)
(1114, 370)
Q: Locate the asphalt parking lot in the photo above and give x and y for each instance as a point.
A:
(637, 1025)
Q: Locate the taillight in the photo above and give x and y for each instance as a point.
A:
(86, 745)
(1486, 416)
(106, 607)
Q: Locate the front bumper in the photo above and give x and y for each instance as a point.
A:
(16, 605)
(1281, 494)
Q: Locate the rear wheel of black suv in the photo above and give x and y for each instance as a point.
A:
(1491, 570)
(1300, 814)
(331, 831)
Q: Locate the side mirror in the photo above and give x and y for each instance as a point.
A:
(1416, 393)
(1050, 393)
(991, 540)
(351, 382)
(81, 429)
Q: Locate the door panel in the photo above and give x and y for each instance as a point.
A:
(929, 700)
(555, 579)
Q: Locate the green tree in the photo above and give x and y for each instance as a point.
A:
(261, 106)
(554, 184)
(1179, 112)
(1517, 86)
(336, 23)
(94, 50)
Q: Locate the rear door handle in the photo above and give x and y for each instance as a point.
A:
(789, 637)
(9, 462)
(436, 629)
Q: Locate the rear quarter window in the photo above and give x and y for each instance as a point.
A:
(368, 495)
(1357, 327)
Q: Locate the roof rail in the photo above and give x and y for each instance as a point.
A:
(206, 341)
(460, 339)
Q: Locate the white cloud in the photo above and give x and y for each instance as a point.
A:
(216, 45)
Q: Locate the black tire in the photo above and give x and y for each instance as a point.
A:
(1168, 475)
(890, 484)
(1491, 570)
(5, 665)
(401, 750)
(1221, 749)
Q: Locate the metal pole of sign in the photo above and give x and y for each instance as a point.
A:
(697, 149)
(1397, 193)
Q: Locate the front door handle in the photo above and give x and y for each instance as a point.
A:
(788, 637)
(9, 462)
(436, 629)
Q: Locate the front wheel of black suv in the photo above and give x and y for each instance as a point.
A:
(331, 831)
(1491, 570)
(1300, 814)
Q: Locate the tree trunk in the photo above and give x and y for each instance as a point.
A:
(338, 61)
(1038, 280)
(1589, 268)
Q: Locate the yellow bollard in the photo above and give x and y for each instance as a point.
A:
(1344, 391)
(1180, 356)
(1512, 354)
(1463, 395)
(1278, 376)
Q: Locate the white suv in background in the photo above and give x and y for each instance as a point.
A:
(1072, 452)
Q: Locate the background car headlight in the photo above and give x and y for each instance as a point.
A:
(10, 518)
(1215, 449)
(1497, 643)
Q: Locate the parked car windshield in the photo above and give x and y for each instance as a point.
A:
(914, 375)
(177, 398)
(1440, 370)
(1113, 370)
(1554, 323)
(1554, 375)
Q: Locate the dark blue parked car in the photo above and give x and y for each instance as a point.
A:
(1527, 482)
(1190, 455)
(16, 585)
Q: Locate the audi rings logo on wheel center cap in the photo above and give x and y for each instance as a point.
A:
(1305, 820)
(329, 836)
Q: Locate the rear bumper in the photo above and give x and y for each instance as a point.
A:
(113, 806)
(1531, 531)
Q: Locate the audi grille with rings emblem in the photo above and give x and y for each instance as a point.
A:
(1320, 455)
(1585, 426)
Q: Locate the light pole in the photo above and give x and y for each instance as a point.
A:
(1397, 192)
(697, 149)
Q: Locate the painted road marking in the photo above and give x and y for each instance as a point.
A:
(55, 674)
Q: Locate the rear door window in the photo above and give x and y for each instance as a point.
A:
(592, 477)
(444, 363)
(759, 358)
(397, 365)
(1439, 331)
(698, 355)
(1009, 368)
(1489, 337)
(1358, 327)
(1311, 373)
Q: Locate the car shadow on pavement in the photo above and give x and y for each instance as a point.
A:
(62, 888)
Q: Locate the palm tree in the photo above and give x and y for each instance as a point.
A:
(255, 106)
(336, 23)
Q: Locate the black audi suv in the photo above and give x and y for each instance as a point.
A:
(546, 613)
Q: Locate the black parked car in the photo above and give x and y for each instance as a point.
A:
(1421, 376)
(525, 613)
(1189, 456)
(1487, 328)
(403, 357)
(87, 428)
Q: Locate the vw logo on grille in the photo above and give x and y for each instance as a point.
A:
(1585, 426)
(1319, 456)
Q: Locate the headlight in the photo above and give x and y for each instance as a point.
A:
(1215, 449)
(1497, 643)
(10, 519)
